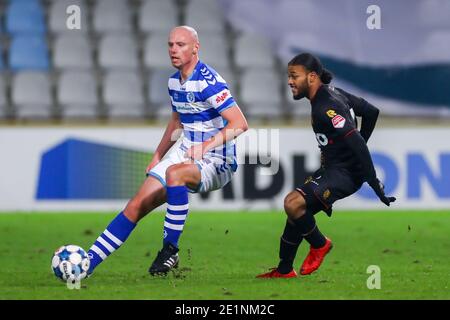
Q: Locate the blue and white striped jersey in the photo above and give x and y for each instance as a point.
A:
(199, 102)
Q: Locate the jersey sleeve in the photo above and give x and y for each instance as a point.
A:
(365, 110)
(218, 95)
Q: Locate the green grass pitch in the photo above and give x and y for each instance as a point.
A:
(222, 252)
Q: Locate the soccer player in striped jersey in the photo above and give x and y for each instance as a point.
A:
(209, 118)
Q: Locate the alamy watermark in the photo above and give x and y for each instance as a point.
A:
(373, 21)
(374, 280)
(261, 145)
(73, 21)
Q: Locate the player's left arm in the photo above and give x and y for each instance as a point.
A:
(219, 97)
(237, 124)
(368, 113)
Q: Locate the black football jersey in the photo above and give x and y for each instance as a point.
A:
(333, 118)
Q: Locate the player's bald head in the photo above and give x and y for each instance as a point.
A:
(186, 31)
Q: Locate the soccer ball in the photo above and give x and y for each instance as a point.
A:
(70, 263)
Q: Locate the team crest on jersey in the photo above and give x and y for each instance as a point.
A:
(331, 113)
(338, 121)
(190, 97)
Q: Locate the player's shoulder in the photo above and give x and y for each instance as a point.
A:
(209, 75)
(329, 102)
(174, 80)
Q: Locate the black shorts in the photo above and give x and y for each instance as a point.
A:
(326, 186)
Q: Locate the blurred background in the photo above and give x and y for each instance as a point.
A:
(115, 68)
(82, 110)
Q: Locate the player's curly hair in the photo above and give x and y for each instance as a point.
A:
(312, 63)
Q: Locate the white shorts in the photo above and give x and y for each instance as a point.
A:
(215, 171)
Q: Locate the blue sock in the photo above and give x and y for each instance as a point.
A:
(177, 209)
(110, 240)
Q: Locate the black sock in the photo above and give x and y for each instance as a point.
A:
(310, 231)
(289, 242)
(316, 239)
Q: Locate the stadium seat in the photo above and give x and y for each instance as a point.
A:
(28, 52)
(111, 16)
(253, 51)
(214, 50)
(157, 86)
(157, 16)
(122, 92)
(205, 16)
(118, 51)
(58, 16)
(72, 52)
(25, 17)
(260, 93)
(31, 94)
(77, 94)
(156, 52)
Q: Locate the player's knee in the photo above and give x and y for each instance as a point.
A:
(174, 175)
(294, 205)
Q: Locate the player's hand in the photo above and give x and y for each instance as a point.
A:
(378, 187)
(196, 152)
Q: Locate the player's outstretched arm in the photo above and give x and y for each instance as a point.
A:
(356, 142)
(170, 136)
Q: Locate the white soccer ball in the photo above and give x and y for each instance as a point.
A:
(70, 263)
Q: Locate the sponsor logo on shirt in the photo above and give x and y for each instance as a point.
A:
(331, 113)
(338, 121)
(222, 97)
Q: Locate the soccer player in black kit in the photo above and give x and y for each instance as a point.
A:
(345, 162)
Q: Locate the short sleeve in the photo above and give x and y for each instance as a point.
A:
(218, 95)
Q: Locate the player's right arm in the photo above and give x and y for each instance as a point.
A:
(368, 113)
(170, 136)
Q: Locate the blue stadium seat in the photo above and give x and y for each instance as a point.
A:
(28, 52)
(25, 16)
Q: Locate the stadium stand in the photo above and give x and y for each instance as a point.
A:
(158, 16)
(116, 66)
